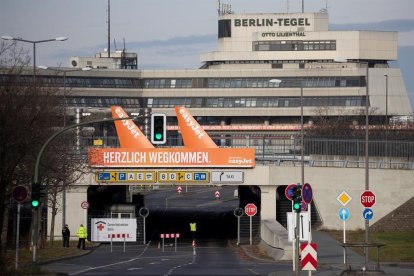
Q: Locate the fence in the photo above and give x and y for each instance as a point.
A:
(268, 146)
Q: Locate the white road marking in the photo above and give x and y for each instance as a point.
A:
(252, 271)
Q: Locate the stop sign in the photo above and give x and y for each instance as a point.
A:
(367, 199)
(250, 209)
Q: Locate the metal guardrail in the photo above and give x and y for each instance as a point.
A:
(336, 163)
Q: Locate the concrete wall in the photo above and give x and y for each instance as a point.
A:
(391, 187)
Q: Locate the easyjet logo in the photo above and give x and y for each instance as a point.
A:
(128, 123)
(192, 123)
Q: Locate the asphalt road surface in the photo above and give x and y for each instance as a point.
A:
(209, 257)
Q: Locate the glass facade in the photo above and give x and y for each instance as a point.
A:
(295, 45)
(170, 83)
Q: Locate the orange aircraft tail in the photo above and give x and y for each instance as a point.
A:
(129, 134)
(193, 134)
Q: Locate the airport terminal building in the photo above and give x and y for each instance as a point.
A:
(254, 79)
(266, 68)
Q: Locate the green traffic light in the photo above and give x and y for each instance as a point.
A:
(158, 136)
(296, 206)
(35, 203)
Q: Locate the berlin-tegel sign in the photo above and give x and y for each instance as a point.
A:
(199, 149)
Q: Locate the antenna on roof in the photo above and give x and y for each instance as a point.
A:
(303, 6)
(287, 6)
(218, 7)
(109, 28)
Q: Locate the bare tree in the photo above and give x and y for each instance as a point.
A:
(28, 116)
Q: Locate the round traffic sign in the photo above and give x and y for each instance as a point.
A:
(238, 212)
(368, 214)
(19, 193)
(143, 212)
(290, 191)
(85, 205)
(307, 193)
(344, 214)
(367, 199)
(250, 209)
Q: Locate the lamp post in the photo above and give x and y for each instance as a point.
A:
(302, 173)
(34, 42)
(43, 148)
(366, 153)
(386, 115)
(35, 218)
(64, 72)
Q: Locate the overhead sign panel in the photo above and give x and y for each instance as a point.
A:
(126, 176)
(227, 177)
(183, 176)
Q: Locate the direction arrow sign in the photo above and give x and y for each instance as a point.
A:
(344, 214)
(217, 194)
(368, 214)
(309, 256)
(179, 189)
(227, 176)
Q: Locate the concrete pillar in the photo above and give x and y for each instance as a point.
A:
(75, 214)
(268, 203)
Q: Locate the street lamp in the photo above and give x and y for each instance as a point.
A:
(302, 172)
(366, 63)
(386, 115)
(34, 42)
(64, 71)
(35, 218)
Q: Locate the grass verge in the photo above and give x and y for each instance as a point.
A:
(43, 255)
(399, 246)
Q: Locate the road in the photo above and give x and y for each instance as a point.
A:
(210, 257)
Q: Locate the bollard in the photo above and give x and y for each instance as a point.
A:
(124, 242)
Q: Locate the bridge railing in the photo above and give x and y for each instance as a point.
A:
(286, 149)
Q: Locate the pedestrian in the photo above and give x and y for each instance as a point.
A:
(82, 235)
(193, 230)
(65, 236)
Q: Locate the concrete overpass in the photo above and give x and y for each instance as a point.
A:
(392, 188)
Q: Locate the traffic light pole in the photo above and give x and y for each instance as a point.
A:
(35, 218)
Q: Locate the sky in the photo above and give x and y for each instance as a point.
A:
(171, 34)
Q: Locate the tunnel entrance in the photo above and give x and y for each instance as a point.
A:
(170, 212)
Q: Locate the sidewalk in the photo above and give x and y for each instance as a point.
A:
(331, 258)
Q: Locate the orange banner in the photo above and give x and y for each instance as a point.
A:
(172, 157)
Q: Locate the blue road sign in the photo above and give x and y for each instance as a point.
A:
(104, 176)
(344, 214)
(368, 214)
(307, 193)
(303, 206)
(290, 191)
(122, 176)
(200, 176)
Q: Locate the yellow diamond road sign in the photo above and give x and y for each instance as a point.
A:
(344, 198)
